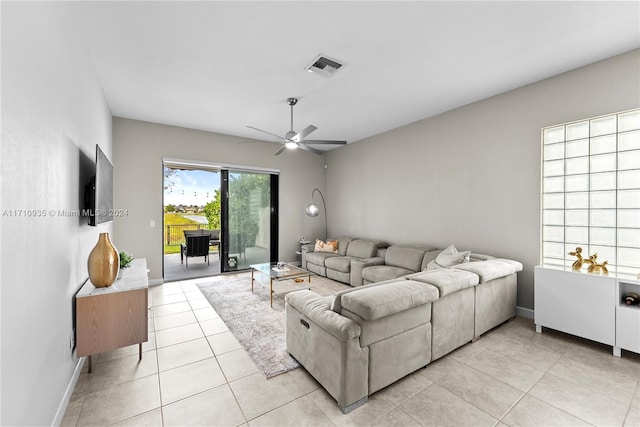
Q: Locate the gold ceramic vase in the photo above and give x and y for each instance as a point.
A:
(103, 263)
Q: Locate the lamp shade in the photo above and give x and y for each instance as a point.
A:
(313, 210)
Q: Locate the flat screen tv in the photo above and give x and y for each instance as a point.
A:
(100, 191)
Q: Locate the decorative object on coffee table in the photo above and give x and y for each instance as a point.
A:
(313, 210)
(103, 263)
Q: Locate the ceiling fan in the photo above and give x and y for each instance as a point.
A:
(293, 139)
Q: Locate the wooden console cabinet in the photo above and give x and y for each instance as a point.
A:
(589, 306)
(115, 316)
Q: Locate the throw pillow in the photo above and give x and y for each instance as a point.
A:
(328, 246)
(448, 258)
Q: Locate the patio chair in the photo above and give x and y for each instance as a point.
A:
(195, 246)
(214, 239)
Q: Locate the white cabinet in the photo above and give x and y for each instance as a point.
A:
(589, 306)
(577, 303)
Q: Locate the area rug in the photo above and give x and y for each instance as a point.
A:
(259, 328)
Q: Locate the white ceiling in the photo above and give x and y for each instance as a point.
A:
(220, 66)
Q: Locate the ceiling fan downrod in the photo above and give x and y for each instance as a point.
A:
(292, 102)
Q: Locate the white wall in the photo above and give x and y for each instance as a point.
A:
(139, 148)
(53, 114)
(471, 176)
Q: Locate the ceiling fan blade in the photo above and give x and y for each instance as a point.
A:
(304, 132)
(309, 149)
(258, 142)
(264, 131)
(323, 141)
(280, 150)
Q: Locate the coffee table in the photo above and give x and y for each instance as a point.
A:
(288, 272)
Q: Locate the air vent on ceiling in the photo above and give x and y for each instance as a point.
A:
(324, 66)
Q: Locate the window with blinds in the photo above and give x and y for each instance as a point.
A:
(591, 191)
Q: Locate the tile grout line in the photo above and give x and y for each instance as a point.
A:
(636, 391)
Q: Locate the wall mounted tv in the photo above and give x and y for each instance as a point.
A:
(99, 192)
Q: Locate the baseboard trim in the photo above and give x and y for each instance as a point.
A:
(155, 282)
(524, 312)
(66, 398)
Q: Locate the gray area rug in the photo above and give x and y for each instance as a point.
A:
(259, 328)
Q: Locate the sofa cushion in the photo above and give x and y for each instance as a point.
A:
(330, 246)
(343, 244)
(488, 270)
(404, 257)
(447, 280)
(319, 258)
(362, 248)
(376, 302)
(339, 263)
(380, 273)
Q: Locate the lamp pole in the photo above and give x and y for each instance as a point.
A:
(313, 211)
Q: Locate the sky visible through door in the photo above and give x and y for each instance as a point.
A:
(190, 187)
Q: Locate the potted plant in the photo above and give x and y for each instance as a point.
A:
(125, 261)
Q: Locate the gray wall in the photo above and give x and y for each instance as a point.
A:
(139, 148)
(471, 176)
(53, 115)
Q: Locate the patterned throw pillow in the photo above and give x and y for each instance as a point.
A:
(328, 246)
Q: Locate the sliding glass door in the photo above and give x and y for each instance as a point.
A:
(249, 210)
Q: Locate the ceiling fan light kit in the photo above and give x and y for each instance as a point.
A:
(293, 139)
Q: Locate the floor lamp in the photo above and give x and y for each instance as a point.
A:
(313, 210)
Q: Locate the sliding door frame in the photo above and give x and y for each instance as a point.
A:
(223, 169)
(224, 217)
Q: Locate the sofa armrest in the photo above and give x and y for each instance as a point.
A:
(304, 250)
(316, 309)
(356, 269)
(490, 269)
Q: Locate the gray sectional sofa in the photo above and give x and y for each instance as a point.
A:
(362, 339)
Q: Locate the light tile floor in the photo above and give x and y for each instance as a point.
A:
(194, 372)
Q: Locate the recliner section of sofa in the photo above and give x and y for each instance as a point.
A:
(338, 266)
(355, 352)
